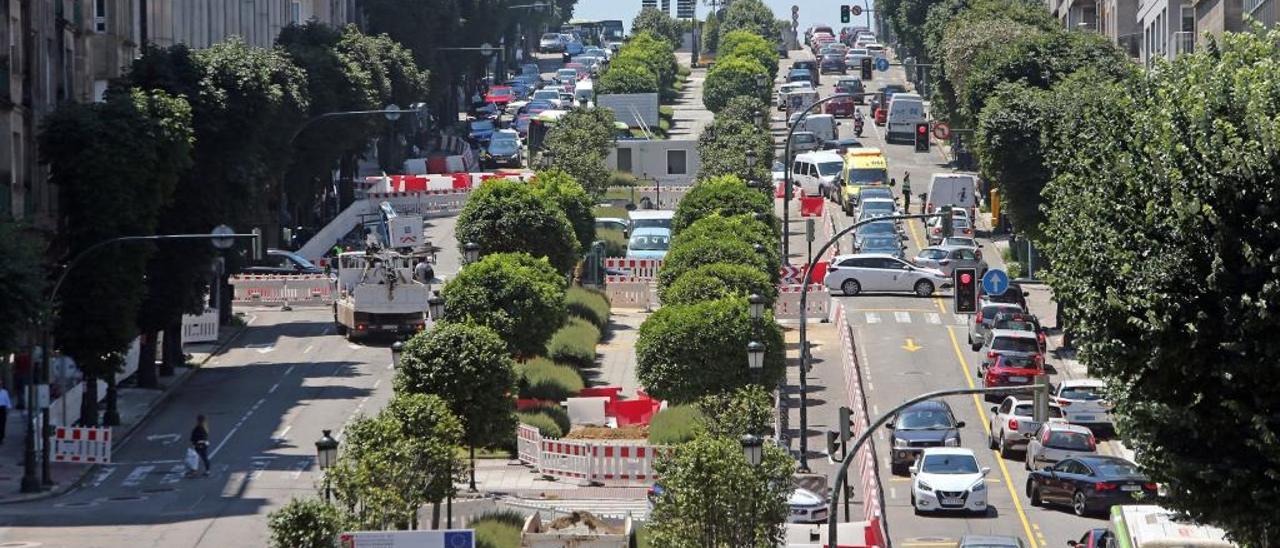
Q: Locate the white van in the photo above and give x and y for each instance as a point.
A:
(816, 172)
(953, 189)
(650, 218)
(798, 100)
(824, 126)
(585, 93)
(905, 111)
(784, 89)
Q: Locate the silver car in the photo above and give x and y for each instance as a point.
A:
(1055, 441)
(1012, 424)
(947, 259)
(853, 274)
(980, 323)
(1010, 343)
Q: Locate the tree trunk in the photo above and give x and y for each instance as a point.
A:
(171, 354)
(226, 296)
(89, 403)
(147, 360)
(435, 515)
(112, 415)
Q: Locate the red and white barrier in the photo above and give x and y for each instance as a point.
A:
(868, 479)
(787, 307)
(273, 289)
(609, 462)
(629, 292)
(635, 268)
(82, 445)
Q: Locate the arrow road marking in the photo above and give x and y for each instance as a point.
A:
(164, 439)
(911, 345)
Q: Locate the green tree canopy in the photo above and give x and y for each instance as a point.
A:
(724, 143)
(305, 523)
(656, 53)
(715, 498)
(743, 108)
(1011, 151)
(628, 75)
(716, 281)
(741, 227)
(732, 77)
(749, 15)
(580, 142)
(747, 410)
(685, 352)
(726, 195)
(561, 188)
(22, 282)
(1161, 227)
(691, 254)
(711, 32)
(504, 216)
(742, 43)
(469, 367)
(658, 23)
(517, 296)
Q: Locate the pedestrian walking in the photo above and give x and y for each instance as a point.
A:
(923, 206)
(200, 441)
(5, 403)
(906, 192)
(423, 272)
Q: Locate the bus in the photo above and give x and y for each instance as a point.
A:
(862, 167)
(1150, 526)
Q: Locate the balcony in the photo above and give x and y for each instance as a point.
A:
(1184, 42)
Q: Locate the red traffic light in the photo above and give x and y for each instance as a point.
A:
(922, 129)
(966, 278)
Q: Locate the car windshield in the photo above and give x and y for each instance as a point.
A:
(881, 242)
(1016, 344)
(651, 223)
(1084, 393)
(949, 464)
(876, 228)
(1017, 325)
(1111, 469)
(546, 94)
(650, 242)
(503, 146)
(875, 192)
(500, 92)
(567, 73)
(867, 176)
(828, 169)
(932, 254)
(482, 125)
(551, 36)
(960, 242)
(877, 206)
(1025, 410)
(923, 419)
(1071, 441)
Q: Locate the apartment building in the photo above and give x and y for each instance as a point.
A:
(1076, 14)
(1168, 28)
(1214, 17)
(1118, 21)
(1262, 10)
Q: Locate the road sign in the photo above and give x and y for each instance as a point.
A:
(857, 10)
(487, 49)
(223, 243)
(942, 131)
(882, 64)
(995, 282)
(87, 445)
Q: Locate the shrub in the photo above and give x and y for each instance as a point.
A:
(732, 77)
(519, 297)
(542, 379)
(704, 251)
(676, 424)
(726, 195)
(305, 523)
(555, 413)
(717, 281)
(575, 343)
(505, 216)
(590, 305)
(500, 529)
(737, 227)
(628, 75)
(543, 422)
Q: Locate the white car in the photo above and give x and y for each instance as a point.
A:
(1082, 402)
(1012, 425)
(948, 478)
(806, 507)
(875, 272)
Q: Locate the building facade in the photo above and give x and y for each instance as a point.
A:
(1262, 10)
(1118, 21)
(1167, 27)
(1214, 17)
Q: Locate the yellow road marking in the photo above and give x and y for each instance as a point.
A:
(986, 427)
(911, 345)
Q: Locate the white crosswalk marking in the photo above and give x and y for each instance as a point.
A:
(175, 474)
(933, 318)
(902, 317)
(136, 476)
(873, 317)
(960, 319)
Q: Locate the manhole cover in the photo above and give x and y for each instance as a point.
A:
(125, 498)
(158, 490)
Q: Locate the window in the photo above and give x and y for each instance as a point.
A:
(295, 12)
(100, 15)
(677, 162)
(624, 160)
(1188, 18)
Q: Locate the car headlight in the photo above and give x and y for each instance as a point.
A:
(978, 487)
(899, 442)
(952, 442)
(925, 487)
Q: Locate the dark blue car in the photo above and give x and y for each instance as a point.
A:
(1091, 484)
(482, 130)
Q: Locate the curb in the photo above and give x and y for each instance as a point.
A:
(178, 381)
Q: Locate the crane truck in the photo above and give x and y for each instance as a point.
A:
(376, 292)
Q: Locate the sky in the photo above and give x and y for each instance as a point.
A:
(812, 12)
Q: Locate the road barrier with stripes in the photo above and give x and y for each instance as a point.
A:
(787, 307)
(664, 197)
(282, 289)
(81, 445)
(634, 268)
(625, 292)
(865, 464)
(609, 462)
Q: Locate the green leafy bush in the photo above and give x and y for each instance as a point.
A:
(717, 281)
(543, 422)
(704, 251)
(732, 77)
(498, 529)
(590, 305)
(553, 412)
(727, 195)
(575, 343)
(736, 227)
(542, 379)
(676, 424)
(518, 296)
(305, 523)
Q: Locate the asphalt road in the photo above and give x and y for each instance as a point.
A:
(909, 345)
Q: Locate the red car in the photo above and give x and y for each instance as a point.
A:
(500, 95)
(1012, 371)
(882, 114)
(840, 106)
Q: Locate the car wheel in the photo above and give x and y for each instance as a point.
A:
(1034, 493)
(975, 346)
(1078, 504)
(851, 287)
(924, 288)
(991, 441)
(1005, 450)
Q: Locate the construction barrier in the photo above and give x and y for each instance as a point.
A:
(610, 462)
(790, 274)
(865, 461)
(634, 268)
(787, 307)
(812, 206)
(630, 293)
(200, 328)
(81, 445)
(282, 289)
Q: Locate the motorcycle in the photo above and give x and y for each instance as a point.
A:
(857, 125)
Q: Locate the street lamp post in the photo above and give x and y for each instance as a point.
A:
(470, 252)
(786, 176)
(752, 157)
(755, 358)
(753, 452)
(397, 350)
(326, 456)
(758, 118)
(435, 305)
(221, 237)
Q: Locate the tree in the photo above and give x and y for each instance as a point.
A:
(732, 77)
(711, 32)
(468, 366)
(628, 75)
(580, 142)
(749, 15)
(909, 24)
(726, 195)
(685, 352)
(740, 227)
(743, 108)
(564, 190)
(1168, 259)
(658, 23)
(716, 281)
(725, 142)
(747, 410)
(657, 54)
(691, 254)
(1012, 153)
(22, 282)
(103, 197)
(517, 296)
(714, 498)
(954, 40)
(305, 523)
(741, 43)
(504, 216)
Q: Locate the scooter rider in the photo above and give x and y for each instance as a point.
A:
(857, 122)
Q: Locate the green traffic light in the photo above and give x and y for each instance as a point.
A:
(844, 14)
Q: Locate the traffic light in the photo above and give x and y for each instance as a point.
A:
(833, 445)
(844, 13)
(948, 221)
(922, 137)
(866, 68)
(1040, 400)
(966, 284)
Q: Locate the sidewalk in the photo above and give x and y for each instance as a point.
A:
(618, 352)
(135, 406)
(690, 116)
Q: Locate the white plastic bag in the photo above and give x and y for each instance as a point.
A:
(192, 460)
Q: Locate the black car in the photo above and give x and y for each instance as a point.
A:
(1014, 295)
(832, 62)
(1091, 484)
(811, 66)
(279, 261)
(925, 424)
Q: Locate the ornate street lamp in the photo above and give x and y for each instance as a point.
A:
(435, 305)
(757, 305)
(755, 357)
(326, 456)
(470, 252)
(753, 449)
(758, 117)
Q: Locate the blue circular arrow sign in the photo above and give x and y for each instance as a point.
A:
(995, 282)
(882, 64)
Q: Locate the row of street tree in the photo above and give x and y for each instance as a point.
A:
(1149, 193)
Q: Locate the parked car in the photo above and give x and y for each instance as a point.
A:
(1083, 402)
(841, 145)
(1012, 424)
(947, 259)
(279, 261)
(1056, 441)
(853, 274)
(1008, 342)
(922, 425)
(1091, 484)
(948, 479)
(980, 323)
(807, 507)
(1009, 370)
(504, 149)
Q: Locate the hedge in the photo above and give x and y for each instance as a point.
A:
(675, 424)
(546, 425)
(498, 529)
(590, 305)
(717, 281)
(575, 343)
(704, 251)
(553, 412)
(542, 379)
